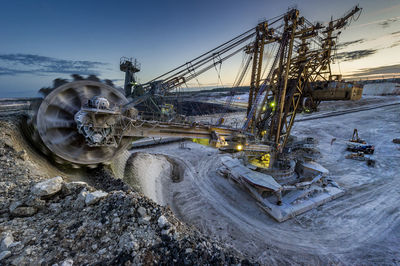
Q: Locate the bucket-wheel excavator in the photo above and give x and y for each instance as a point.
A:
(88, 122)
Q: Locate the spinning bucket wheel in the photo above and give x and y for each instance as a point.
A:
(58, 130)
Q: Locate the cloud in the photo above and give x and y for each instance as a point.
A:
(15, 64)
(386, 23)
(4, 71)
(345, 44)
(354, 55)
(382, 70)
(382, 22)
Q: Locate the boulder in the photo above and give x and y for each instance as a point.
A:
(162, 222)
(69, 188)
(8, 144)
(7, 241)
(127, 242)
(48, 187)
(4, 255)
(24, 211)
(142, 211)
(80, 200)
(94, 197)
(35, 202)
(22, 155)
(18, 209)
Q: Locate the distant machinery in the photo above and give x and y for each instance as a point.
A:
(130, 66)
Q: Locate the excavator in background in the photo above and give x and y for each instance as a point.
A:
(356, 144)
(361, 150)
(87, 122)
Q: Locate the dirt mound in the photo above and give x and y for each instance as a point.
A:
(64, 221)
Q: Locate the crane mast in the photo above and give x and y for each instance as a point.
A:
(303, 58)
(296, 67)
(97, 117)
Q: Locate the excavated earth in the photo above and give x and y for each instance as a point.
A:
(167, 204)
(87, 217)
(361, 227)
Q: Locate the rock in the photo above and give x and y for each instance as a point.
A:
(48, 187)
(22, 155)
(15, 244)
(188, 250)
(18, 209)
(102, 251)
(28, 251)
(35, 202)
(4, 255)
(7, 241)
(127, 243)
(105, 239)
(67, 262)
(142, 211)
(165, 232)
(121, 229)
(68, 188)
(55, 207)
(80, 200)
(6, 186)
(144, 220)
(94, 197)
(8, 143)
(162, 222)
(15, 205)
(20, 260)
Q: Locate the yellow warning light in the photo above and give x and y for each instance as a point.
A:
(263, 132)
(204, 142)
(264, 108)
(266, 157)
(272, 104)
(263, 161)
(239, 147)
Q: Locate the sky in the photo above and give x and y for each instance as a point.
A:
(44, 40)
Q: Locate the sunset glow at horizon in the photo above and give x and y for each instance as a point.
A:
(44, 40)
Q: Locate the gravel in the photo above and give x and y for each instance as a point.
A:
(56, 222)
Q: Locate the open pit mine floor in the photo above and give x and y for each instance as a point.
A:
(361, 227)
(207, 219)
